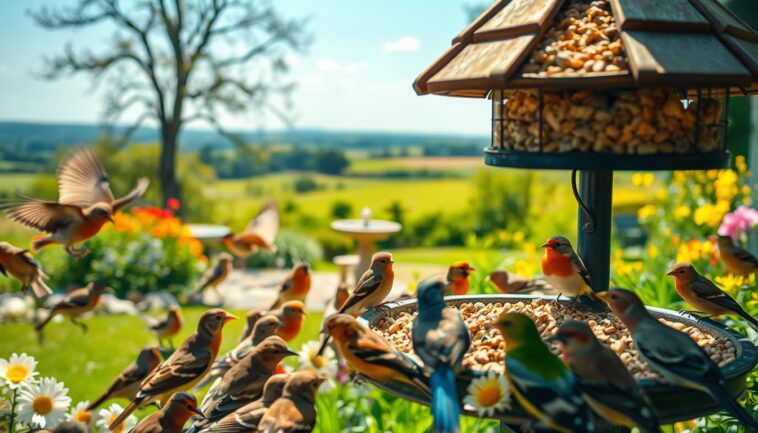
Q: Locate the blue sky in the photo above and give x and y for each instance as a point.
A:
(357, 74)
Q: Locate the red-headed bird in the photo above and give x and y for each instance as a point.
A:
(564, 270)
(457, 278)
(291, 314)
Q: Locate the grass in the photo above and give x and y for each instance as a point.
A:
(87, 363)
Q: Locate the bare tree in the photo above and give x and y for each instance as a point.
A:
(176, 62)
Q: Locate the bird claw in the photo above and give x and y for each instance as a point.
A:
(77, 253)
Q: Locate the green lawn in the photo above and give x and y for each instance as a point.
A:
(88, 362)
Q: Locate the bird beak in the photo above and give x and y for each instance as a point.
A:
(229, 318)
(290, 352)
(545, 245)
(197, 412)
(472, 269)
(110, 218)
(670, 272)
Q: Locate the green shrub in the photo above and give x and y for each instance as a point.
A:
(291, 247)
(305, 184)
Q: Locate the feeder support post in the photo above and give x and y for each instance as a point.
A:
(594, 230)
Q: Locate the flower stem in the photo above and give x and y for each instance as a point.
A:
(12, 420)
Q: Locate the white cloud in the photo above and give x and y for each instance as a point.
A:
(406, 44)
(331, 66)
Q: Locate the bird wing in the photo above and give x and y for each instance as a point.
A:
(744, 255)
(211, 275)
(265, 225)
(705, 289)
(443, 342)
(44, 216)
(630, 401)
(75, 299)
(377, 352)
(185, 365)
(672, 350)
(581, 269)
(82, 181)
(136, 192)
(368, 283)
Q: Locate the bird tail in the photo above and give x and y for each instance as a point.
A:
(324, 342)
(92, 406)
(721, 395)
(41, 241)
(209, 378)
(446, 409)
(125, 414)
(745, 315)
(277, 303)
(38, 327)
(39, 288)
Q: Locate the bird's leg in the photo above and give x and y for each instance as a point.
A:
(80, 324)
(77, 253)
(557, 301)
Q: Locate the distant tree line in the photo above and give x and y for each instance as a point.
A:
(253, 161)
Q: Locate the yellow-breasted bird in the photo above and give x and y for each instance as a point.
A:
(369, 354)
(514, 284)
(541, 383)
(440, 339)
(21, 265)
(76, 303)
(702, 293)
(169, 326)
(251, 317)
(564, 270)
(295, 411)
(265, 327)
(259, 234)
(370, 290)
(608, 387)
(185, 367)
(216, 274)
(171, 417)
(674, 354)
(291, 314)
(457, 278)
(246, 418)
(85, 203)
(736, 259)
(244, 382)
(296, 286)
(127, 383)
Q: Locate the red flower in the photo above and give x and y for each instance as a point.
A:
(166, 213)
(152, 210)
(173, 203)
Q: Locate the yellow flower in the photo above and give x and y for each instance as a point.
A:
(682, 212)
(730, 283)
(726, 185)
(652, 251)
(637, 179)
(648, 179)
(740, 163)
(647, 211)
(518, 236)
(711, 215)
(525, 268)
(488, 394)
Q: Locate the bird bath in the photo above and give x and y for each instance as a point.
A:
(366, 231)
(208, 232)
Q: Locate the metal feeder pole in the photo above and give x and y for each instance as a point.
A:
(595, 223)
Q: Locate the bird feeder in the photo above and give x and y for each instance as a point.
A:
(599, 86)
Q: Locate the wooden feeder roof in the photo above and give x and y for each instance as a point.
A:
(671, 43)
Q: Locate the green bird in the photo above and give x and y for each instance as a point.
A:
(541, 383)
(674, 354)
(608, 387)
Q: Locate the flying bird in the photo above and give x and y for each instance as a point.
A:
(76, 303)
(440, 339)
(295, 411)
(608, 387)
(185, 367)
(167, 327)
(259, 234)
(515, 284)
(736, 259)
(296, 286)
(127, 383)
(85, 203)
(170, 418)
(674, 354)
(702, 293)
(19, 263)
(216, 274)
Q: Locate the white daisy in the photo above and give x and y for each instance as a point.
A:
(17, 369)
(106, 416)
(43, 404)
(324, 365)
(488, 394)
(79, 413)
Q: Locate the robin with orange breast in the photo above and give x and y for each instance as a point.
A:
(736, 259)
(259, 234)
(169, 326)
(291, 314)
(170, 418)
(21, 265)
(185, 367)
(296, 286)
(564, 270)
(76, 303)
(127, 383)
(85, 203)
(457, 278)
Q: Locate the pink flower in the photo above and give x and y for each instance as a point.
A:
(739, 222)
(173, 203)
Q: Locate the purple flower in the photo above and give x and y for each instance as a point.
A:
(739, 222)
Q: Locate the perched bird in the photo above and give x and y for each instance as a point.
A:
(20, 264)
(370, 355)
(244, 382)
(171, 417)
(564, 270)
(291, 314)
(539, 381)
(510, 283)
(265, 327)
(295, 287)
(440, 339)
(169, 326)
(127, 383)
(371, 289)
(251, 317)
(341, 296)
(295, 411)
(608, 387)
(736, 259)
(85, 203)
(701, 293)
(259, 234)
(246, 418)
(216, 274)
(76, 303)
(457, 278)
(185, 367)
(674, 354)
